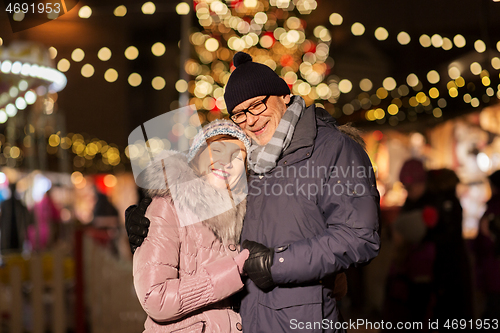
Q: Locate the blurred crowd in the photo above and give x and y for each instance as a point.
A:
(434, 273)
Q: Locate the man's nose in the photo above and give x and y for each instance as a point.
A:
(251, 119)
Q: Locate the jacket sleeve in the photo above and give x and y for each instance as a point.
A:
(350, 204)
(163, 295)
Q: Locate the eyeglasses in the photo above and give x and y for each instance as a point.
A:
(254, 109)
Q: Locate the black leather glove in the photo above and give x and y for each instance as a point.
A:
(136, 224)
(258, 265)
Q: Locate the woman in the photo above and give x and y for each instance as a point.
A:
(189, 263)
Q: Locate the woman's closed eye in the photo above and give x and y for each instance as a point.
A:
(237, 155)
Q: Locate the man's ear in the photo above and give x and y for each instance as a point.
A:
(286, 99)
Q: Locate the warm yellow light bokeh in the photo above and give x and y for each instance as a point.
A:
(77, 55)
(134, 79)
(158, 49)
(111, 75)
(336, 19)
(381, 33)
(182, 8)
(357, 29)
(87, 70)
(158, 83)
(148, 8)
(104, 54)
(63, 65)
(85, 12)
(120, 11)
(131, 53)
(404, 38)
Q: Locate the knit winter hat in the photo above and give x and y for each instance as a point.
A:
(251, 79)
(216, 127)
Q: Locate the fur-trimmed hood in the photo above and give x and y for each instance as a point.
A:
(170, 176)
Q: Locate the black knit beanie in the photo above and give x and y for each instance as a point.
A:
(251, 79)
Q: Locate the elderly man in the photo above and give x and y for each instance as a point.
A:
(313, 205)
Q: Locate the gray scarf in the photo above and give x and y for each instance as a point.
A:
(263, 159)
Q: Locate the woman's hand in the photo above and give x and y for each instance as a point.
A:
(241, 258)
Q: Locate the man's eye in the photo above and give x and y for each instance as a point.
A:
(256, 106)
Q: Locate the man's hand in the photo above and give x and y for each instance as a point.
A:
(258, 265)
(136, 224)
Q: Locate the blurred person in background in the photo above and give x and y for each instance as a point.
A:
(452, 267)
(189, 264)
(43, 232)
(486, 249)
(14, 221)
(410, 281)
(431, 274)
(105, 224)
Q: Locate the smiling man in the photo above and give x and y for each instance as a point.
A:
(312, 206)
(302, 227)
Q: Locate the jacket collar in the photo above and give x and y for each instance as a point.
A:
(305, 132)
